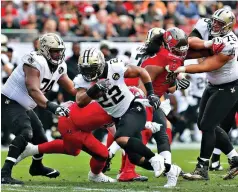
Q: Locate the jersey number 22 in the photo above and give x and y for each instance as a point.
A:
(113, 97)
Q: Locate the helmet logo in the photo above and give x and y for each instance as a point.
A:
(115, 76)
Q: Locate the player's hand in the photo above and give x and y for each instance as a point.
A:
(181, 69)
(154, 101)
(57, 109)
(174, 62)
(182, 84)
(103, 85)
(218, 45)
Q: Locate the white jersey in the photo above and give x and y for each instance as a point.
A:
(5, 61)
(137, 56)
(228, 72)
(118, 98)
(15, 87)
(198, 81)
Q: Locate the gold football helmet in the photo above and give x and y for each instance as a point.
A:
(223, 21)
(91, 64)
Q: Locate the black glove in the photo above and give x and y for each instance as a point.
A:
(154, 101)
(57, 109)
(103, 85)
(182, 84)
(100, 87)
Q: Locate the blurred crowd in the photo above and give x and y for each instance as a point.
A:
(102, 20)
(105, 19)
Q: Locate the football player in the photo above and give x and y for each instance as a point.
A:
(104, 82)
(76, 131)
(22, 92)
(221, 94)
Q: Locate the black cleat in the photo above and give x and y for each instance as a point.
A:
(7, 179)
(233, 171)
(200, 172)
(43, 171)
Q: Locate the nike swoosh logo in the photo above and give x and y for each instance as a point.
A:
(51, 172)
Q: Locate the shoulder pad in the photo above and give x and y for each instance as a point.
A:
(79, 82)
(35, 60)
(118, 66)
(203, 25)
(4, 58)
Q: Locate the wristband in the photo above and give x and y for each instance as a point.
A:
(149, 88)
(93, 91)
(208, 44)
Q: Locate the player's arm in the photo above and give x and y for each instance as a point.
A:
(82, 99)
(85, 96)
(65, 82)
(133, 71)
(32, 81)
(196, 43)
(153, 71)
(209, 64)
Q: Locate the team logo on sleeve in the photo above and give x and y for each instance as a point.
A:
(61, 70)
(115, 76)
(30, 60)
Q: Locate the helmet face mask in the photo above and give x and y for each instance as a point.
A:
(176, 42)
(52, 48)
(222, 22)
(91, 64)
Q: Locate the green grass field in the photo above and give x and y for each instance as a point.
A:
(74, 171)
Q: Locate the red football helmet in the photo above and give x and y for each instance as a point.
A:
(137, 92)
(176, 41)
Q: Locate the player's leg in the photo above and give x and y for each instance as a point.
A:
(127, 171)
(126, 132)
(218, 105)
(57, 146)
(219, 147)
(99, 154)
(37, 168)
(17, 120)
(161, 136)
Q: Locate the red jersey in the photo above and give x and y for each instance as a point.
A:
(165, 79)
(87, 119)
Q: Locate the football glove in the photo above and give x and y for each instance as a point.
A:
(218, 45)
(103, 85)
(154, 101)
(182, 84)
(57, 109)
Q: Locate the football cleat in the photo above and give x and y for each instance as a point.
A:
(41, 170)
(131, 175)
(233, 168)
(200, 172)
(7, 179)
(100, 178)
(172, 176)
(157, 162)
(215, 168)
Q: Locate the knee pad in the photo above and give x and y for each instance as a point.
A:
(27, 134)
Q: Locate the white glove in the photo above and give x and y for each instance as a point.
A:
(165, 106)
(154, 127)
